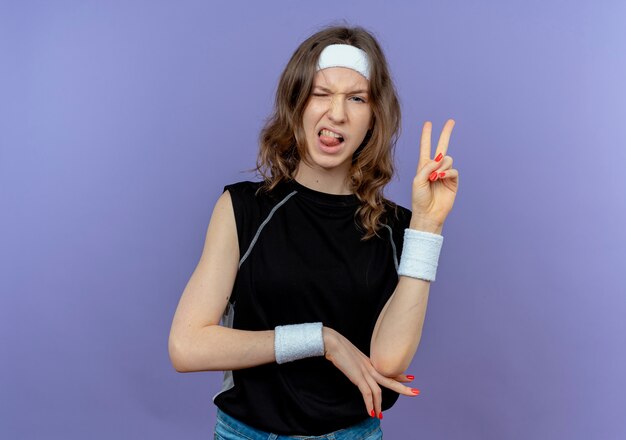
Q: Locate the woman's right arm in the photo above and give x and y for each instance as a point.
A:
(197, 342)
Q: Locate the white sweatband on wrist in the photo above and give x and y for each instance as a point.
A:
(420, 254)
(298, 341)
(345, 55)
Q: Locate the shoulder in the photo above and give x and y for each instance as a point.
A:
(257, 192)
(243, 187)
(252, 204)
(243, 194)
(253, 200)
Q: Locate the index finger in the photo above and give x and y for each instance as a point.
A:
(394, 385)
(425, 142)
(444, 138)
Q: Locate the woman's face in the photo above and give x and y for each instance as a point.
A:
(339, 102)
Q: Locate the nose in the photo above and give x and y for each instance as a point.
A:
(337, 109)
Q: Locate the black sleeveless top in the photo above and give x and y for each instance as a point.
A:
(302, 260)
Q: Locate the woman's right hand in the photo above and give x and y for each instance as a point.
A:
(359, 369)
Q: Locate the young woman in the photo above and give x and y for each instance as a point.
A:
(320, 283)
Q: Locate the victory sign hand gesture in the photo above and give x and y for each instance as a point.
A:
(436, 183)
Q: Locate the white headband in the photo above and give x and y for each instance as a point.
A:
(345, 55)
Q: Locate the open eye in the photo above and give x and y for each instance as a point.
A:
(359, 99)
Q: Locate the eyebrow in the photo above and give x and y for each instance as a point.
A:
(349, 93)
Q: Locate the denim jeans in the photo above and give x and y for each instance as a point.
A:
(229, 428)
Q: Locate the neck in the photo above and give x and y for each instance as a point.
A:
(328, 181)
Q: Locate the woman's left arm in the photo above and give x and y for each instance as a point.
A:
(398, 329)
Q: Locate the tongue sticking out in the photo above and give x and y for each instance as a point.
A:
(330, 141)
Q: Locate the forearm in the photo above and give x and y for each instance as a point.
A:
(398, 329)
(219, 348)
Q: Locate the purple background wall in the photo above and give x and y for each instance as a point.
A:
(121, 122)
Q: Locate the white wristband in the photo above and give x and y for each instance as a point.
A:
(298, 341)
(420, 254)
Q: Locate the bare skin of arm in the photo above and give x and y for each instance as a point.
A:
(395, 338)
(398, 329)
(197, 342)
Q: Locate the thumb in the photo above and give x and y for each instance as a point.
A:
(404, 378)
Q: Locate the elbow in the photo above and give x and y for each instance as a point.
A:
(391, 361)
(177, 355)
(185, 356)
(388, 368)
(390, 364)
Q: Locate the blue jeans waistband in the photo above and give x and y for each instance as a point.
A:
(230, 428)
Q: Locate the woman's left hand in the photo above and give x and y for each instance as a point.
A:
(436, 183)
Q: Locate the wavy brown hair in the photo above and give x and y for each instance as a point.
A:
(283, 142)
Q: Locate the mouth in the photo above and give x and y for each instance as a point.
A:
(329, 144)
(330, 139)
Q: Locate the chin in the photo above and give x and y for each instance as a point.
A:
(329, 164)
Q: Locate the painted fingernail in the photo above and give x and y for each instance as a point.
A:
(380, 416)
(438, 158)
(373, 413)
(442, 174)
(433, 175)
(410, 377)
(415, 391)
